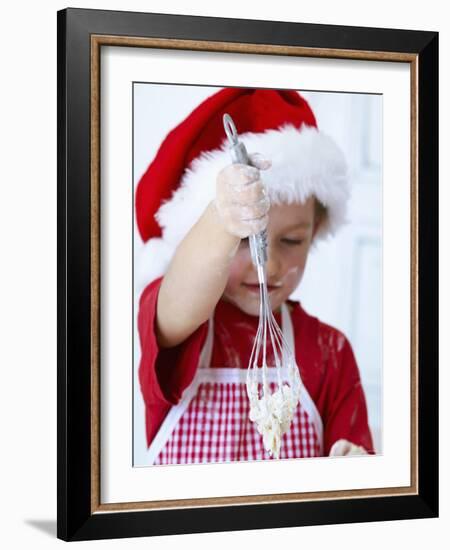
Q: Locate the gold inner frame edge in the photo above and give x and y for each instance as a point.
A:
(268, 49)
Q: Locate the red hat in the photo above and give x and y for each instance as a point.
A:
(180, 181)
(252, 110)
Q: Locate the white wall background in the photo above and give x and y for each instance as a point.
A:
(342, 283)
(28, 286)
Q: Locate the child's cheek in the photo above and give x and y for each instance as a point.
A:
(295, 264)
(238, 269)
(293, 277)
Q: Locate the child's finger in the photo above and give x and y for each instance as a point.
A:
(249, 194)
(242, 228)
(246, 174)
(343, 447)
(236, 175)
(250, 213)
(259, 161)
(251, 227)
(339, 448)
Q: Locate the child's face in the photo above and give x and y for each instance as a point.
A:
(289, 234)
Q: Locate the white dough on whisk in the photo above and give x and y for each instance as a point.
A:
(273, 412)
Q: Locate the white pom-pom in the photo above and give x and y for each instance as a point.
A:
(152, 262)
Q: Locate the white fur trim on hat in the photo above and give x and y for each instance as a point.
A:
(305, 162)
(152, 262)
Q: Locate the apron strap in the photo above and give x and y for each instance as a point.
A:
(204, 361)
(176, 411)
(305, 399)
(171, 420)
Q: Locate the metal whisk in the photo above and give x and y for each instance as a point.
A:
(271, 412)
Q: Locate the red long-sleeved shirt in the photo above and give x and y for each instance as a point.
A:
(324, 355)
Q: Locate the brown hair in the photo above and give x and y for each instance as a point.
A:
(320, 211)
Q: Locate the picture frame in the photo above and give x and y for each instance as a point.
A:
(81, 36)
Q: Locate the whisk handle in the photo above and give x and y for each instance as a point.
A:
(239, 155)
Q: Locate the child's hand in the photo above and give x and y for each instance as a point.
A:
(241, 199)
(343, 447)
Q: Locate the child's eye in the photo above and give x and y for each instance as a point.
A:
(292, 242)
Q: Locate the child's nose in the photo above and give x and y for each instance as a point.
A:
(273, 266)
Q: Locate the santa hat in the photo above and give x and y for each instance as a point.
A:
(180, 181)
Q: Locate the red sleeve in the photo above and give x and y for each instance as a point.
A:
(346, 410)
(164, 373)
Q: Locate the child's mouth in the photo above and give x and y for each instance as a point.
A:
(254, 287)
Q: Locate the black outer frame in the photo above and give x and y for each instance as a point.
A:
(75, 521)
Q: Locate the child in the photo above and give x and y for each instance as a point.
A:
(198, 316)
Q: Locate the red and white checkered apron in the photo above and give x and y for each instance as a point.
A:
(211, 423)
